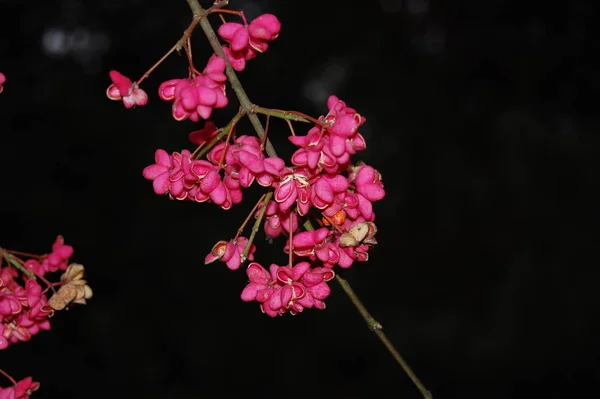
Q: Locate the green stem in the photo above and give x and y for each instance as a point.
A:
(11, 259)
(278, 113)
(220, 136)
(256, 225)
(246, 105)
(377, 328)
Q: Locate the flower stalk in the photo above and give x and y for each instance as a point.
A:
(256, 225)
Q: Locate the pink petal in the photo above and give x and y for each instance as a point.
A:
(285, 190)
(300, 157)
(215, 64)
(206, 96)
(240, 40)
(219, 194)
(337, 145)
(274, 165)
(153, 171)
(249, 292)
(338, 183)
(161, 184)
(332, 101)
(320, 291)
(275, 301)
(366, 208)
(139, 97)
(345, 126)
(299, 269)
(310, 278)
(299, 141)
(252, 162)
(228, 29)
(204, 111)
(122, 82)
(210, 181)
(305, 239)
(286, 294)
(321, 234)
(323, 190)
(313, 159)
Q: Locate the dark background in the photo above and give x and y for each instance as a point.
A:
(481, 117)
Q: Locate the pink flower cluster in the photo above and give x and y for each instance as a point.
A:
(2, 81)
(245, 41)
(285, 289)
(123, 89)
(196, 96)
(320, 178)
(329, 146)
(24, 308)
(20, 390)
(240, 163)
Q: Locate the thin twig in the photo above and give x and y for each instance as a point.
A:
(256, 226)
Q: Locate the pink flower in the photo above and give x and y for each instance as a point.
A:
(195, 97)
(2, 81)
(329, 145)
(262, 30)
(293, 188)
(159, 172)
(230, 253)
(261, 283)
(325, 189)
(122, 88)
(58, 259)
(287, 289)
(306, 241)
(368, 183)
(184, 178)
(277, 221)
(236, 35)
(245, 41)
(316, 244)
(315, 280)
(22, 390)
(24, 309)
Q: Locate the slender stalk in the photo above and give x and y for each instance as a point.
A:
(5, 374)
(378, 329)
(153, 67)
(246, 105)
(245, 222)
(183, 41)
(14, 262)
(281, 114)
(256, 226)
(226, 130)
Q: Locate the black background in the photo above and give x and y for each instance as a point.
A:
(481, 116)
